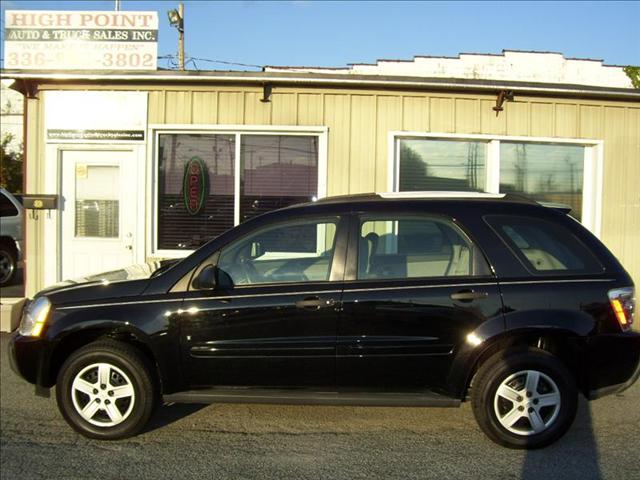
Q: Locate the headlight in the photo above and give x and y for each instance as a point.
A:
(34, 317)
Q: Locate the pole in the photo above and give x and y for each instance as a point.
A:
(117, 5)
(181, 38)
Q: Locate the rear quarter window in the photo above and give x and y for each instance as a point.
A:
(544, 247)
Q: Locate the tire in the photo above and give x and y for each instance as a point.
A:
(8, 264)
(512, 418)
(106, 390)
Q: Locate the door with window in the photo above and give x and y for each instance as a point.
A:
(419, 286)
(99, 213)
(272, 319)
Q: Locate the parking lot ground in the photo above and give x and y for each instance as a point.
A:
(308, 442)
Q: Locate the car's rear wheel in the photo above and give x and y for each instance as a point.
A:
(8, 264)
(105, 390)
(524, 399)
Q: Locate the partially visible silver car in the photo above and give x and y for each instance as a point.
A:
(11, 246)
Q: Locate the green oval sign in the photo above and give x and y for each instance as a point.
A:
(194, 185)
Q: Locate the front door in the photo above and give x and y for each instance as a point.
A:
(420, 287)
(272, 320)
(99, 211)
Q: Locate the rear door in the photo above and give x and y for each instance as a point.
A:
(416, 287)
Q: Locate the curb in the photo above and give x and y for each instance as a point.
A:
(10, 311)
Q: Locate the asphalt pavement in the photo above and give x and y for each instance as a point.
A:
(308, 442)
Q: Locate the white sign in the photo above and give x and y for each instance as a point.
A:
(95, 116)
(67, 40)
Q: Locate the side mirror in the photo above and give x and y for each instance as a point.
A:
(206, 279)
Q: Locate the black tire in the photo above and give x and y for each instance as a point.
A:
(9, 263)
(488, 406)
(123, 359)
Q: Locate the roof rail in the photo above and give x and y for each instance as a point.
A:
(440, 194)
(561, 207)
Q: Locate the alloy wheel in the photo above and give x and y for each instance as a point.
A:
(103, 395)
(6, 266)
(527, 402)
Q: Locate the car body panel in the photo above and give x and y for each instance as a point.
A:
(248, 335)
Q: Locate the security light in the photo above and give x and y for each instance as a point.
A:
(175, 19)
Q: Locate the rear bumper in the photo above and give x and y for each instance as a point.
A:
(613, 364)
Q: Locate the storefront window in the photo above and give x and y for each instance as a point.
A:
(186, 218)
(197, 182)
(277, 171)
(442, 165)
(543, 172)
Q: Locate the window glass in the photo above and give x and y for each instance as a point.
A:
(277, 171)
(196, 182)
(415, 247)
(7, 209)
(97, 201)
(544, 172)
(545, 247)
(427, 164)
(196, 205)
(288, 252)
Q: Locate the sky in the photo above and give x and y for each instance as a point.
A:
(335, 34)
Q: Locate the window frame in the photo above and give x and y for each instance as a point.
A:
(593, 165)
(153, 161)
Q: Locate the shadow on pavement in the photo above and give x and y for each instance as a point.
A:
(576, 451)
(168, 414)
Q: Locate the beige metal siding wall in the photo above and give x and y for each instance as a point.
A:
(358, 122)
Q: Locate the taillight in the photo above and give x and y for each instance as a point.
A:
(623, 303)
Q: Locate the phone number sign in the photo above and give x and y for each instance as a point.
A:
(67, 40)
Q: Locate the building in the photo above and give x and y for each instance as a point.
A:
(150, 165)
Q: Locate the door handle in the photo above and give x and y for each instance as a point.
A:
(314, 303)
(468, 295)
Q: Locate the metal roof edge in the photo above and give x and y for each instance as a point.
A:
(302, 78)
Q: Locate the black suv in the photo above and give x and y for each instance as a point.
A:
(361, 300)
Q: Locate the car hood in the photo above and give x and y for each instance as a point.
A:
(127, 281)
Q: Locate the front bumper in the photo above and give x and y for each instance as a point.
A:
(612, 364)
(29, 358)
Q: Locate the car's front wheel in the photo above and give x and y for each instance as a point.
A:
(524, 399)
(105, 390)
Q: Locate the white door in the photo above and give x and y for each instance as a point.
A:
(99, 213)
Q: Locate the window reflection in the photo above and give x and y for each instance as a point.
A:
(427, 164)
(543, 172)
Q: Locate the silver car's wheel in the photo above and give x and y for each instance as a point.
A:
(103, 395)
(527, 402)
(7, 266)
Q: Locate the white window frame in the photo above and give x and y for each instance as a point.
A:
(155, 130)
(593, 173)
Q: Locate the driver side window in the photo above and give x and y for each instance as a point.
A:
(297, 251)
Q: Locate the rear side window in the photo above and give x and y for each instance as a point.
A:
(544, 247)
(415, 247)
(7, 209)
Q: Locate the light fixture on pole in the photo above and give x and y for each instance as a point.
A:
(176, 19)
